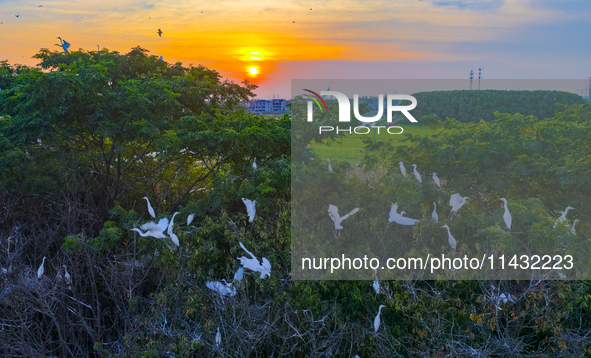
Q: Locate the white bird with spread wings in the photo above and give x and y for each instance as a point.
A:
(333, 212)
(254, 265)
(398, 218)
(250, 208)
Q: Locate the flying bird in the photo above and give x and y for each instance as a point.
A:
(64, 44)
(402, 169)
(329, 166)
(221, 288)
(153, 229)
(417, 175)
(17, 15)
(436, 180)
(507, 214)
(254, 163)
(399, 218)
(254, 265)
(190, 218)
(434, 213)
(150, 208)
(250, 208)
(40, 5)
(450, 239)
(41, 269)
(333, 212)
(377, 321)
(456, 202)
(563, 216)
(159, 33)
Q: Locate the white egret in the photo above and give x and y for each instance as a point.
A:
(254, 163)
(150, 208)
(221, 288)
(41, 269)
(218, 338)
(377, 321)
(436, 180)
(67, 276)
(402, 169)
(333, 212)
(153, 229)
(329, 166)
(239, 274)
(450, 239)
(250, 208)
(434, 213)
(456, 201)
(172, 235)
(376, 283)
(417, 175)
(572, 229)
(398, 218)
(507, 214)
(254, 265)
(563, 216)
(64, 44)
(190, 218)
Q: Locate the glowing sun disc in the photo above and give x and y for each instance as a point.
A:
(253, 70)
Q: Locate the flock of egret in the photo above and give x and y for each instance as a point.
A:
(456, 201)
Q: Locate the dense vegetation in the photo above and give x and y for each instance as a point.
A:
(84, 139)
(472, 106)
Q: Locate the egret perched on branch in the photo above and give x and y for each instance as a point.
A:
(377, 321)
(398, 218)
(254, 265)
(329, 166)
(222, 289)
(450, 239)
(254, 163)
(67, 276)
(239, 274)
(563, 216)
(333, 212)
(218, 338)
(172, 235)
(190, 218)
(41, 269)
(436, 180)
(434, 214)
(402, 169)
(153, 229)
(250, 208)
(507, 214)
(456, 201)
(150, 208)
(572, 229)
(417, 175)
(376, 283)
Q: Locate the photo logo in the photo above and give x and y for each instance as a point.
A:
(345, 106)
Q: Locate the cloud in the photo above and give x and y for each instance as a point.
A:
(479, 5)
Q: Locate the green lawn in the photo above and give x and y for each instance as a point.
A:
(350, 147)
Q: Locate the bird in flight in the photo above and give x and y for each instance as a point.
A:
(40, 5)
(159, 32)
(64, 44)
(400, 218)
(17, 15)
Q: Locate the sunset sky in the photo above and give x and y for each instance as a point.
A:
(272, 42)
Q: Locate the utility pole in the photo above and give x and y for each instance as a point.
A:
(471, 78)
(479, 77)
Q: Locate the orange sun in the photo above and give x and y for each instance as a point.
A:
(253, 70)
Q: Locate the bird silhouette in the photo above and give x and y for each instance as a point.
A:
(17, 15)
(159, 32)
(64, 44)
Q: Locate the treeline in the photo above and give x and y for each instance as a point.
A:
(472, 106)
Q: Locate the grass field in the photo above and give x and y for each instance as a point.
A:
(350, 147)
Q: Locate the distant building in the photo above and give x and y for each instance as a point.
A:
(278, 105)
(262, 105)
